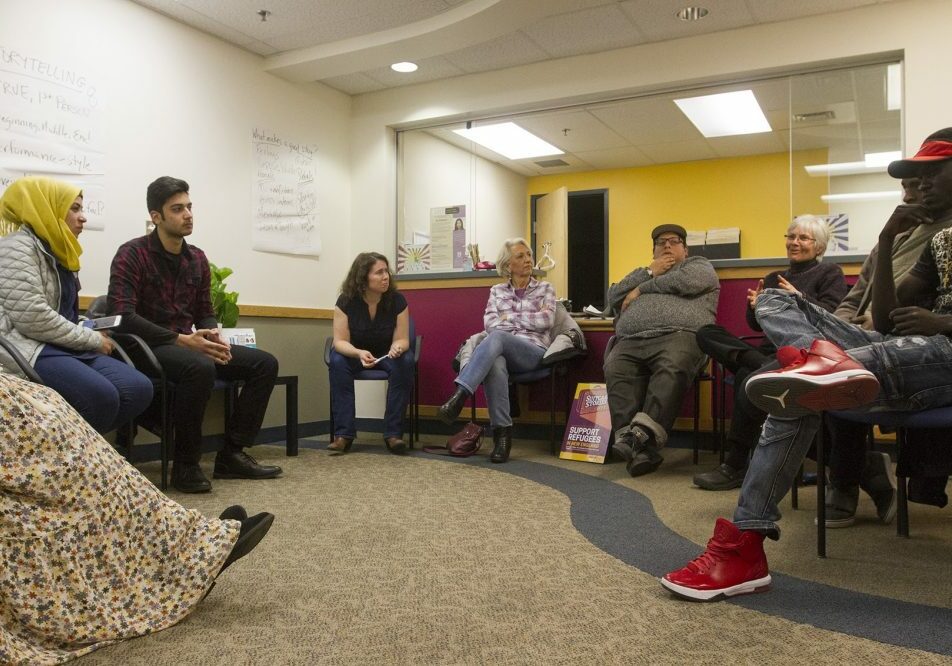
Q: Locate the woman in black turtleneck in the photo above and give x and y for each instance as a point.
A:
(819, 283)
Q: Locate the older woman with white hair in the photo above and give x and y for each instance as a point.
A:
(518, 319)
(820, 283)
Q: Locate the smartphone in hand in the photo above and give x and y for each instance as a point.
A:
(102, 323)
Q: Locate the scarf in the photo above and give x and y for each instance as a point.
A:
(42, 204)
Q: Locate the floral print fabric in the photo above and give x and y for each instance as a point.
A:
(90, 551)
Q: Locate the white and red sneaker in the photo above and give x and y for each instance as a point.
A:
(823, 378)
(734, 563)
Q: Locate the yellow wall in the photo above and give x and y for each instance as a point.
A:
(752, 193)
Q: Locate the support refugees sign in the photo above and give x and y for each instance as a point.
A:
(589, 425)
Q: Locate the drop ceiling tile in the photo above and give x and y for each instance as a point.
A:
(300, 23)
(588, 31)
(585, 131)
(353, 84)
(678, 151)
(615, 158)
(431, 69)
(505, 51)
(748, 144)
(213, 25)
(768, 11)
(647, 120)
(657, 20)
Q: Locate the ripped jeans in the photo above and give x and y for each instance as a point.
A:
(914, 373)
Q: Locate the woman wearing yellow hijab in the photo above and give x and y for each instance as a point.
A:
(39, 305)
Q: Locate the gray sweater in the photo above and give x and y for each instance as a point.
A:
(683, 299)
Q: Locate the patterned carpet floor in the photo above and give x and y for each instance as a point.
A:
(380, 559)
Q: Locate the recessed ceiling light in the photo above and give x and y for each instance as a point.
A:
(692, 13)
(509, 140)
(404, 67)
(725, 114)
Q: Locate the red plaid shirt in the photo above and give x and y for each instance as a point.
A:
(142, 283)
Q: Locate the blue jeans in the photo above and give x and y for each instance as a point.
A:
(498, 355)
(106, 392)
(914, 373)
(343, 370)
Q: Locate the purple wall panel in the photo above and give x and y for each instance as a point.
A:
(446, 317)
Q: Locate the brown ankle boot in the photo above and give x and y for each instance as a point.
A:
(340, 446)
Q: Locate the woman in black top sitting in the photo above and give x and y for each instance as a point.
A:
(371, 331)
(823, 284)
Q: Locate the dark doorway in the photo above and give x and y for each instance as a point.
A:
(588, 248)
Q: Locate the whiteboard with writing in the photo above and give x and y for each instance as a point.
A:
(51, 124)
(284, 195)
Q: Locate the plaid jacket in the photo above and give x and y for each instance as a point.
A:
(141, 283)
(530, 317)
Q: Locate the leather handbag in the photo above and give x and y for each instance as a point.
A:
(461, 445)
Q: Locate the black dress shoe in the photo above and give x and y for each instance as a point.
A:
(236, 464)
(502, 444)
(252, 532)
(452, 407)
(234, 512)
(188, 478)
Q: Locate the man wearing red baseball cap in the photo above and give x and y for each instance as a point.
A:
(905, 364)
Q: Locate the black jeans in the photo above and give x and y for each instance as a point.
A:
(194, 375)
(742, 359)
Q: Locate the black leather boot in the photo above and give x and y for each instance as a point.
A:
(502, 444)
(452, 407)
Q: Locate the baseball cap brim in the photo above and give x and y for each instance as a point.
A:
(931, 151)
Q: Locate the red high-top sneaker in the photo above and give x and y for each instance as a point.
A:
(824, 378)
(734, 563)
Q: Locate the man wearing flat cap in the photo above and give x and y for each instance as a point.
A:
(656, 358)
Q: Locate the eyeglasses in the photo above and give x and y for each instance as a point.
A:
(800, 237)
(661, 242)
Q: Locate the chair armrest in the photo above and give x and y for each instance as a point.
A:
(416, 349)
(21, 362)
(148, 363)
(328, 346)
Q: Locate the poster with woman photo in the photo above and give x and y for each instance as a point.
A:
(448, 234)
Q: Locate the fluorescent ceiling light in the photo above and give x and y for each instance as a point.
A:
(509, 140)
(725, 114)
(894, 87)
(872, 163)
(404, 67)
(861, 196)
(873, 160)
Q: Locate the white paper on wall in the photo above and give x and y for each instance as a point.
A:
(51, 124)
(284, 195)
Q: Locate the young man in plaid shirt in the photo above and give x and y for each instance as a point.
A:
(160, 285)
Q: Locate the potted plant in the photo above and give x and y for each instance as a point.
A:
(225, 303)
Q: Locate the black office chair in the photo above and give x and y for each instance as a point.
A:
(903, 422)
(416, 347)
